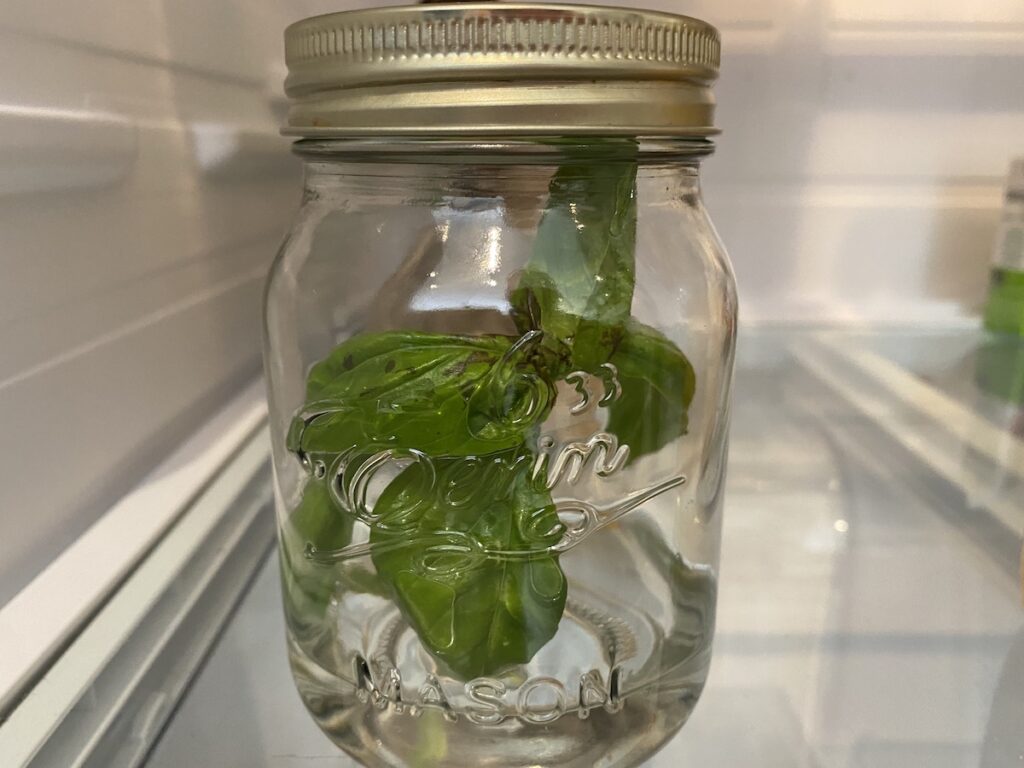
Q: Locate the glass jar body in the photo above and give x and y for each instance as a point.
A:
(499, 392)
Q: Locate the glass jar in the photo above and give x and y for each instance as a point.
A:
(499, 357)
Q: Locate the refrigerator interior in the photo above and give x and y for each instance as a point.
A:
(145, 188)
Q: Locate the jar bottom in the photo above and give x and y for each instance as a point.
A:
(380, 731)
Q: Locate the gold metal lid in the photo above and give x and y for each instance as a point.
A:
(502, 69)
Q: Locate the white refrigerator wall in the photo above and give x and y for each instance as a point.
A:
(144, 189)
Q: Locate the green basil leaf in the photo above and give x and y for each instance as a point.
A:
(578, 285)
(371, 364)
(437, 394)
(473, 574)
(316, 523)
(658, 384)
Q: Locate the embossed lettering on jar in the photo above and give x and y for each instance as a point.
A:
(499, 344)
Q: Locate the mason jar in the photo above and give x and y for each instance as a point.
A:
(499, 347)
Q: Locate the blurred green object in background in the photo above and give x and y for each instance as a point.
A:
(1004, 310)
(999, 368)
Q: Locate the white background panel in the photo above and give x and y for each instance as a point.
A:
(927, 13)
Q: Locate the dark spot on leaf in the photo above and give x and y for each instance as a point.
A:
(347, 363)
(390, 366)
(456, 369)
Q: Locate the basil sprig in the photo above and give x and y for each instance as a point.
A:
(462, 536)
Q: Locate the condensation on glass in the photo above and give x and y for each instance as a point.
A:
(499, 344)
